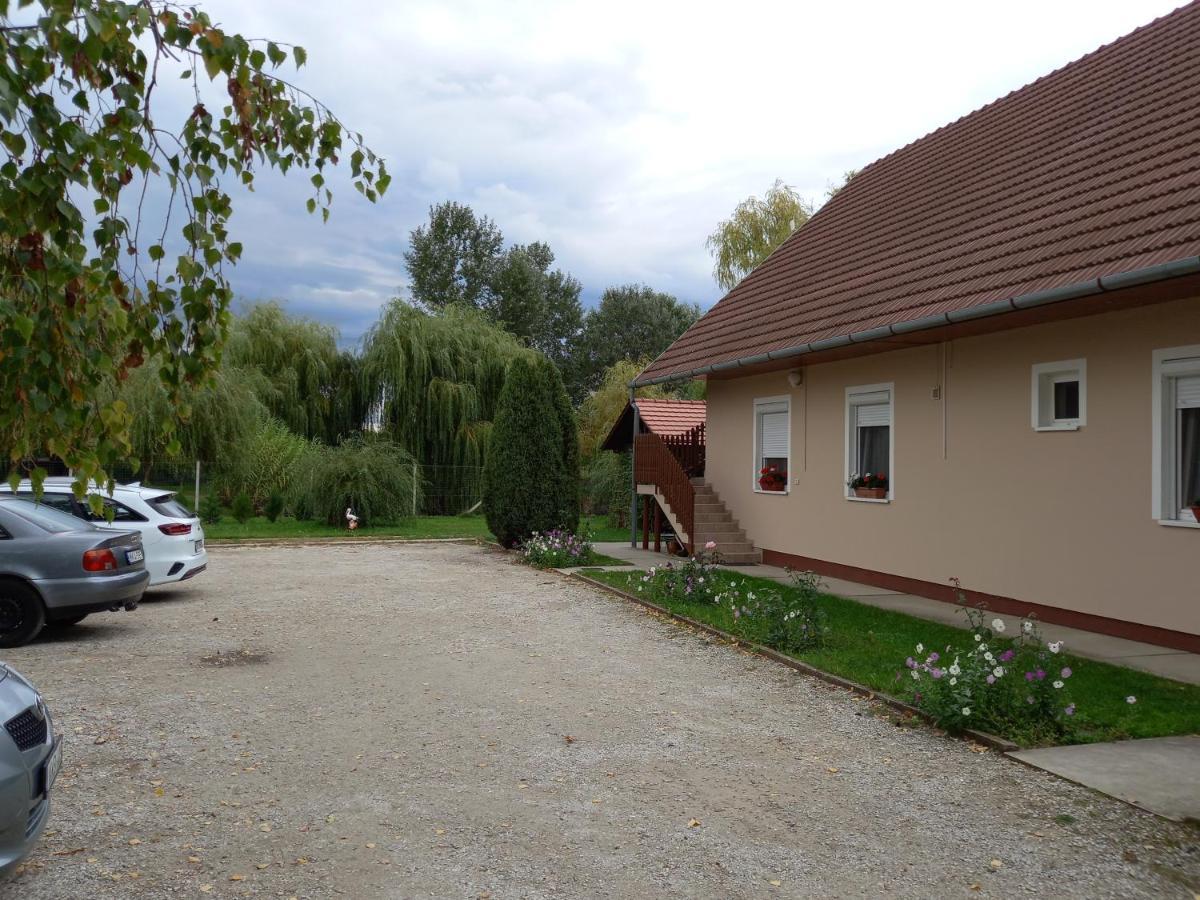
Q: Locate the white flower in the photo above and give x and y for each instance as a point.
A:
(983, 648)
(1057, 685)
(953, 681)
(998, 671)
(978, 638)
(988, 656)
(998, 626)
(915, 674)
(920, 648)
(1131, 699)
(954, 667)
(1055, 646)
(1026, 626)
(966, 710)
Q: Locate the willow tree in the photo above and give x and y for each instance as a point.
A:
(115, 206)
(757, 226)
(306, 382)
(433, 381)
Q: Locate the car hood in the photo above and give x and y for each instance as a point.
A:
(16, 693)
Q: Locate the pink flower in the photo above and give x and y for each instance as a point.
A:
(711, 545)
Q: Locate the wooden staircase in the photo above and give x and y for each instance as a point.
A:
(714, 522)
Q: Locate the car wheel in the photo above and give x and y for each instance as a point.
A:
(22, 614)
(66, 622)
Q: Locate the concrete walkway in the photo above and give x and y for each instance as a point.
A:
(1163, 661)
(1158, 774)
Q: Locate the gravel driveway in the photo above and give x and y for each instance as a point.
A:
(433, 720)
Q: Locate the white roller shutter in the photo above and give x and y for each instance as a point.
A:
(773, 435)
(1187, 392)
(870, 414)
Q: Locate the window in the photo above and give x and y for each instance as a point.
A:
(869, 441)
(772, 444)
(121, 512)
(1177, 435)
(168, 505)
(1060, 395)
(61, 502)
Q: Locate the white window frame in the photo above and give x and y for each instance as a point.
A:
(1045, 376)
(851, 443)
(759, 403)
(1168, 363)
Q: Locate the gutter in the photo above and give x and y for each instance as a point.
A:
(1163, 271)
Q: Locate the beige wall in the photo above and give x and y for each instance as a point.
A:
(1059, 518)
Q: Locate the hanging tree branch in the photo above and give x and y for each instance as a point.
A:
(78, 100)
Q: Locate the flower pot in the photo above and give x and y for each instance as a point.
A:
(1196, 512)
(766, 484)
(871, 493)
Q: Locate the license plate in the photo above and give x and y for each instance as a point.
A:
(198, 545)
(134, 556)
(53, 767)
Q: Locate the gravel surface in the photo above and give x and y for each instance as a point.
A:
(434, 720)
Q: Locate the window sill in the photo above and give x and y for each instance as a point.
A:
(1178, 523)
(1063, 427)
(782, 493)
(868, 500)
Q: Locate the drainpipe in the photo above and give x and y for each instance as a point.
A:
(633, 503)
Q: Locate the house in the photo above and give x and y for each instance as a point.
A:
(1001, 319)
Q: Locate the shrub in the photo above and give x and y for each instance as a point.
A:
(242, 507)
(268, 462)
(693, 580)
(557, 549)
(210, 509)
(790, 621)
(372, 476)
(569, 488)
(1014, 686)
(274, 506)
(524, 476)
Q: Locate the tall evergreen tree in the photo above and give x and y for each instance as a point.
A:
(569, 487)
(524, 475)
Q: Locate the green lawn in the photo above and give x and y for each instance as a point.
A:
(869, 645)
(420, 527)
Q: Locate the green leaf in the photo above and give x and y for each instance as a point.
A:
(299, 54)
(212, 64)
(311, 205)
(24, 326)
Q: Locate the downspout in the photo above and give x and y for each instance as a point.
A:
(633, 502)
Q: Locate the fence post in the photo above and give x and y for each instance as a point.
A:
(197, 495)
(414, 491)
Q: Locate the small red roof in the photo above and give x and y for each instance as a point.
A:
(1089, 172)
(671, 416)
(663, 417)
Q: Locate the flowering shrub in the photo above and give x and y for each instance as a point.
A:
(1008, 685)
(556, 549)
(876, 480)
(770, 478)
(693, 580)
(789, 621)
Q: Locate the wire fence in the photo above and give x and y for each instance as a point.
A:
(445, 490)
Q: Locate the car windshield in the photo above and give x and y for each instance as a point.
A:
(45, 517)
(168, 505)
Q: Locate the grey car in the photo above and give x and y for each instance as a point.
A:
(30, 758)
(57, 569)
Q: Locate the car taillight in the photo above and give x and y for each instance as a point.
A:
(99, 561)
(175, 528)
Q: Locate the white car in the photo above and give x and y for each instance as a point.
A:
(172, 536)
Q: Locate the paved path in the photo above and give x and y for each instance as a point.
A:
(1176, 664)
(437, 721)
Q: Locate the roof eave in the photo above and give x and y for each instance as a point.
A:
(1163, 271)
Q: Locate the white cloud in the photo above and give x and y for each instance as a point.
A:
(620, 133)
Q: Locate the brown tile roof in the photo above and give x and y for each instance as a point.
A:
(671, 416)
(663, 417)
(1090, 171)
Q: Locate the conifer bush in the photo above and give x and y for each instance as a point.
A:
(525, 480)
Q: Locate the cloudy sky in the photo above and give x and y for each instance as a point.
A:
(618, 132)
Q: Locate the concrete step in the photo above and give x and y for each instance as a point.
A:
(714, 516)
(724, 532)
(742, 559)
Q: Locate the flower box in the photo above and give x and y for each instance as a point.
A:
(870, 493)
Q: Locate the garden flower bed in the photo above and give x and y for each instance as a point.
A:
(559, 549)
(873, 647)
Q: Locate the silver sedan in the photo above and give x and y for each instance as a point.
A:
(57, 569)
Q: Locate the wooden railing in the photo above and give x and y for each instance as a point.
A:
(688, 448)
(654, 462)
